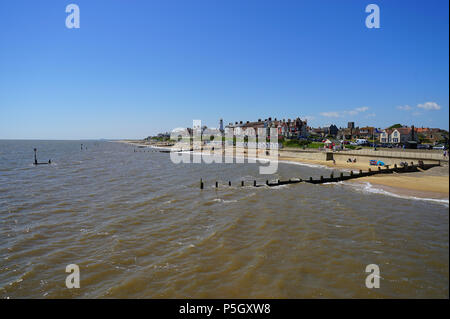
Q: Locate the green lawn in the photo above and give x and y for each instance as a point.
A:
(301, 144)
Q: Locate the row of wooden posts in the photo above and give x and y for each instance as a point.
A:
(151, 151)
(386, 170)
(49, 161)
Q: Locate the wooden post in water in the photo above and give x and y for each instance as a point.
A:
(35, 156)
(217, 184)
(360, 172)
(267, 182)
(201, 183)
(321, 178)
(242, 183)
(310, 179)
(395, 165)
(254, 183)
(342, 174)
(229, 183)
(351, 173)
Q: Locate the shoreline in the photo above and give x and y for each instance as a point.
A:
(404, 192)
(434, 187)
(419, 184)
(431, 184)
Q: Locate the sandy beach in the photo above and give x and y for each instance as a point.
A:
(426, 184)
(432, 183)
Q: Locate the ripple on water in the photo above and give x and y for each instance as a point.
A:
(138, 226)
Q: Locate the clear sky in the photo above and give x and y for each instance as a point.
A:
(136, 68)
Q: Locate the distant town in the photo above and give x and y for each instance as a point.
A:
(297, 133)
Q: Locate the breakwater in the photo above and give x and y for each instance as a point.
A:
(387, 169)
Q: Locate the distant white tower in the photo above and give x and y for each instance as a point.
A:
(221, 125)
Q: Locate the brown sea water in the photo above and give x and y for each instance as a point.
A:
(138, 226)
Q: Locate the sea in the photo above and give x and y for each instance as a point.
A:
(138, 226)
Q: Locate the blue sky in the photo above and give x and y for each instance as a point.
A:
(135, 68)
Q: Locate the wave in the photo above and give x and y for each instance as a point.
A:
(307, 164)
(369, 188)
(220, 200)
(159, 147)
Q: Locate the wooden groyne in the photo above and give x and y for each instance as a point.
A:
(36, 161)
(341, 177)
(332, 178)
(153, 150)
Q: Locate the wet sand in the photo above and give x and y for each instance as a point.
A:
(337, 165)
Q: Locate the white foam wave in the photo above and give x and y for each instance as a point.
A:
(369, 188)
(159, 147)
(306, 164)
(220, 200)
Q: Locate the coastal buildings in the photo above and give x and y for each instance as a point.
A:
(369, 132)
(409, 135)
(221, 125)
(329, 130)
(348, 133)
(296, 128)
(353, 133)
(401, 135)
(432, 135)
(351, 125)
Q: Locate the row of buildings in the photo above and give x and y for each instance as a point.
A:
(298, 128)
(403, 135)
